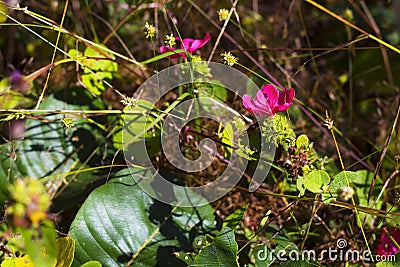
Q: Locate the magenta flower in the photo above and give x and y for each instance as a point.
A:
(386, 246)
(188, 44)
(269, 100)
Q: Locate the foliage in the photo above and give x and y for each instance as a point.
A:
(327, 104)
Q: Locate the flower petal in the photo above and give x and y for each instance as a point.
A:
(262, 101)
(286, 96)
(187, 44)
(164, 49)
(248, 102)
(260, 97)
(386, 246)
(192, 45)
(283, 107)
(271, 93)
(254, 106)
(291, 94)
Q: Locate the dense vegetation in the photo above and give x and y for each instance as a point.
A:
(299, 99)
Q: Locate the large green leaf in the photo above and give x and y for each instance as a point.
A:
(47, 149)
(221, 252)
(119, 223)
(44, 150)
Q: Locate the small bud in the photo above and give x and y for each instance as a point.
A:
(223, 14)
(345, 193)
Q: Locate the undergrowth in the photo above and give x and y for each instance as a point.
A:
(74, 98)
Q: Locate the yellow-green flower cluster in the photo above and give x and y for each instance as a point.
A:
(128, 101)
(229, 59)
(67, 123)
(348, 14)
(170, 41)
(223, 14)
(278, 131)
(150, 30)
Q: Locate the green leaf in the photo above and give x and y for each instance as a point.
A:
(91, 264)
(212, 89)
(12, 99)
(164, 55)
(119, 223)
(315, 180)
(137, 127)
(228, 139)
(4, 9)
(117, 138)
(302, 141)
(300, 185)
(135, 122)
(222, 252)
(9, 98)
(97, 68)
(42, 252)
(65, 251)
(235, 218)
(43, 151)
(362, 182)
(339, 181)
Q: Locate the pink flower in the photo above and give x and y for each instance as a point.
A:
(386, 246)
(269, 100)
(188, 44)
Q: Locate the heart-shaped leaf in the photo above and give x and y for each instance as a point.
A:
(119, 225)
